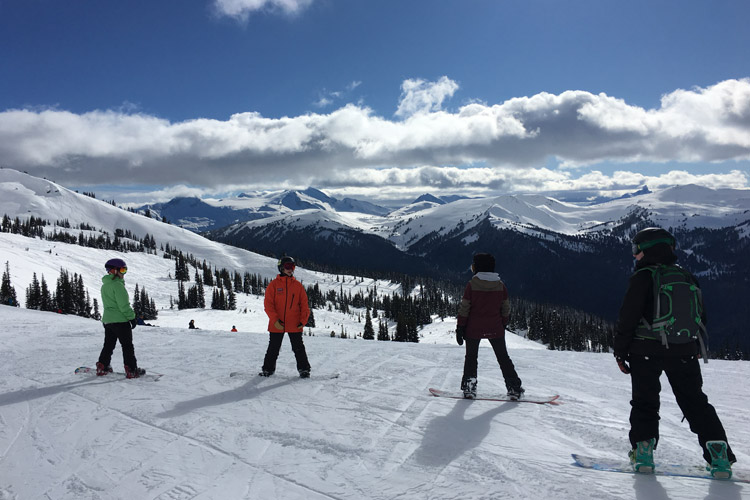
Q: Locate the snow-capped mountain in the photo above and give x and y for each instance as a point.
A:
(210, 214)
(547, 250)
(24, 196)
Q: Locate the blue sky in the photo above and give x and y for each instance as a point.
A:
(375, 99)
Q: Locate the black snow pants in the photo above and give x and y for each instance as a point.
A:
(122, 332)
(684, 375)
(503, 359)
(274, 346)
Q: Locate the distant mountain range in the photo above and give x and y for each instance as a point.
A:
(548, 251)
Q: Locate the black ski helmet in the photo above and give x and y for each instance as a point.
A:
(285, 260)
(483, 262)
(651, 236)
(115, 264)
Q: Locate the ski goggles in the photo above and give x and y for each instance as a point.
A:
(639, 247)
(289, 266)
(123, 270)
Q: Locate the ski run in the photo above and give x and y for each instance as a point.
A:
(374, 432)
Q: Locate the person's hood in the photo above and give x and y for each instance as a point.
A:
(486, 276)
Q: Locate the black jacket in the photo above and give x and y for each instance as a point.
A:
(639, 303)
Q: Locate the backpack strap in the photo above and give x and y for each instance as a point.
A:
(653, 269)
(703, 335)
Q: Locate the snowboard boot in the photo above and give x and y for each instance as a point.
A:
(515, 393)
(265, 373)
(102, 370)
(134, 373)
(469, 386)
(720, 468)
(304, 374)
(642, 456)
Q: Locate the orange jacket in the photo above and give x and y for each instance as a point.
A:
(286, 301)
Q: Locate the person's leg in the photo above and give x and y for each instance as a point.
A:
(512, 381)
(684, 376)
(125, 336)
(110, 341)
(272, 353)
(470, 360)
(644, 412)
(300, 354)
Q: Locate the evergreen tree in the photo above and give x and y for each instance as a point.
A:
(34, 294)
(181, 298)
(46, 302)
(401, 329)
(369, 333)
(311, 319)
(383, 331)
(7, 292)
(96, 314)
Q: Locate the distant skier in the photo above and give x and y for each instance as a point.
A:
(287, 309)
(119, 321)
(234, 328)
(660, 329)
(483, 314)
(192, 326)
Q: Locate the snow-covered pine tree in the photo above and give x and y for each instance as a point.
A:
(369, 333)
(7, 292)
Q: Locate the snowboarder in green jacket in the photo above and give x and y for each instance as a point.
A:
(119, 321)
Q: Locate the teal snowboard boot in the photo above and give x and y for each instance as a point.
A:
(642, 456)
(720, 468)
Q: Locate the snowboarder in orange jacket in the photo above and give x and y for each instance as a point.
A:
(288, 311)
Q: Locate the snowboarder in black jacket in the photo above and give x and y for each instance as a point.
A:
(646, 358)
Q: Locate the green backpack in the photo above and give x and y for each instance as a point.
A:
(678, 309)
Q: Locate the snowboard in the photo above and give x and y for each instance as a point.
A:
(615, 465)
(253, 375)
(92, 371)
(550, 400)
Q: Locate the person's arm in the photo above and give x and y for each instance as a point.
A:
(123, 302)
(304, 307)
(631, 311)
(505, 307)
(464, 307)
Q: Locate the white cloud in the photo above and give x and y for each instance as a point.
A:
(420, 97)
(484, 181)
(241, 9)
(696, 126)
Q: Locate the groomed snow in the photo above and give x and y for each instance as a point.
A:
(372, 433)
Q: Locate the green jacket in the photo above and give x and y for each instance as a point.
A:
(115, 301)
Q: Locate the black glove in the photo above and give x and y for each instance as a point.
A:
(460, 334)
(133, 323)
(300, 325)
(623, 364)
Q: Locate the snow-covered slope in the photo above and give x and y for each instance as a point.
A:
(24, 196)
(372, 433)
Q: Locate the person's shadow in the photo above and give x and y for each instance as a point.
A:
(246, 391)
(447, 437)
(23, 395)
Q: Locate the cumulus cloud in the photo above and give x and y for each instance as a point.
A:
(483, 181)
(241, 9)
(511, 139)
(419, 96)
